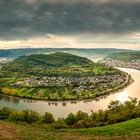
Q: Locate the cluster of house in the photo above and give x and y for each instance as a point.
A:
(118, 63)
(78, 83)
(4, 60)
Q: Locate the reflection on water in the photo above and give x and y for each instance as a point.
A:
(73, 102)
(123, 97)
(64, 104)
(63, 108)
(9, 99)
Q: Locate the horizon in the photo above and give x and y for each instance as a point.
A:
(66, 48)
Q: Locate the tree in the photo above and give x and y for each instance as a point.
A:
(48, 118)
(16, 116)
(81, 115)
(113, 105)
(71, 119)
(5, 113)
(30, 116)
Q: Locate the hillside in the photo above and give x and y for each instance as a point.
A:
(125, 59)
(125, 56)
(58, 59)
(128, 130)
(55, 64)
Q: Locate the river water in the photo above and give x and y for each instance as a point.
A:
(63, 108)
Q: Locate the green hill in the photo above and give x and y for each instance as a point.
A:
(128, 130)
(55, 64)
(57, 59)
(125, 56)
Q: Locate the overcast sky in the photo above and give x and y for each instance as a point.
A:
(70, 23)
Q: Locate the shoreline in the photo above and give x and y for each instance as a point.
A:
(124, 85)
(120, 90)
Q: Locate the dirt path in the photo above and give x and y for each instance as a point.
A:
(8, 132)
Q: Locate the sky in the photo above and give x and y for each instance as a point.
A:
(70, 23)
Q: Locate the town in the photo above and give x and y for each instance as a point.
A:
(77, 84)
(124, 64)
(4, 60)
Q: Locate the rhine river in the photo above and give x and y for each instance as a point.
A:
(63, 108)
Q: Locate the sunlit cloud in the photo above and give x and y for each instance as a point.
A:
(60, 41)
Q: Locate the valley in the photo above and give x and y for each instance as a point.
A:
(57, 78)
(69, 70)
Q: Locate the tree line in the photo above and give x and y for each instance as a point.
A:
(116, 112)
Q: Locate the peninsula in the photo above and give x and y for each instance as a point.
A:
(59, 76)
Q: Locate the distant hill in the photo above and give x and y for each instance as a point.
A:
(123, 59)
(125, 56)
(89, 53)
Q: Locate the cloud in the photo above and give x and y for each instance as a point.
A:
(64, 42)
(21, 19)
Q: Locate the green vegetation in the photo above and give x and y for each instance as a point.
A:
(126, 56)
(57, 59)
(28, 124)
(55, 64)
(59, 76)
(130, 127)
(128, 130)
(116, 112)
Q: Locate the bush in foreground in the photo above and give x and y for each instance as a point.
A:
(116, 112)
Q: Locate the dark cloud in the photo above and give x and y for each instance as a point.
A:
(26, 18)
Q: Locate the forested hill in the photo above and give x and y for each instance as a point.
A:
(125, 56)
(55, 64)
(58, 59)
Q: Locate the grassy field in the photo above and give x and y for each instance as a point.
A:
(129, 130)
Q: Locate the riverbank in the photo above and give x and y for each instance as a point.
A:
(63, 108)
(129, 80)
(87, 94)
(120, 89)
(120, 63)
(79, 120)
